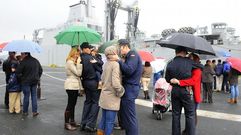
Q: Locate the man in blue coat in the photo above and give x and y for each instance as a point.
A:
(131, 69)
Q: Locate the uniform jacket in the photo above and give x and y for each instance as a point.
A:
(112, 89)
(73, 73)
(89, 69)
(131, 70)
(195, 82)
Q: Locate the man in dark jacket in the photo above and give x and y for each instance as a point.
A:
(219, 76)
(181, 68)
(90, 82)
(7, 69)
(29, 72)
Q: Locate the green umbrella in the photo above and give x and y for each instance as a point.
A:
(102, 48)
(76, 35)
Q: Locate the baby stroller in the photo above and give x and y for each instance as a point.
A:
(161, 98)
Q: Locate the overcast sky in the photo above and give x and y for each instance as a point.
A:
(21, 17)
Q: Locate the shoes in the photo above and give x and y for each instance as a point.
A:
(67, 126)
(74, 124)
(35, 114)
(25, 114)
(117, 127)
(82, 127)
(90, 129)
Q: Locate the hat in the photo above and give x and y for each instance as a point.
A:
(85, 45)
(123, 42)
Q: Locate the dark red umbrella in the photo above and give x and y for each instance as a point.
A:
(146, 56)
(2, 45)
(235, 63)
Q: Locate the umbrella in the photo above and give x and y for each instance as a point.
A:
(192, 43)
(218, 54)
(2, 45)
(146, 56)
(235, 63)
(158, 65)
(76, 35)
(23, 46)
(102, 48)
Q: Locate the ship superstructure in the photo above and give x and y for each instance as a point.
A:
(82, 13)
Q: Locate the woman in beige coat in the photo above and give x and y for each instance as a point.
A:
(72, 86)
(111, 92)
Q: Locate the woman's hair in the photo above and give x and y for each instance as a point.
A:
(110, 51)
(194, 57)
(147, 64)
(73, 53)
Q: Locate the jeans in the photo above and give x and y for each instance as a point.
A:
(107, 121)
(234, 91)
(27, 90)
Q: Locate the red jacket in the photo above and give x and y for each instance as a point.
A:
(195, 82)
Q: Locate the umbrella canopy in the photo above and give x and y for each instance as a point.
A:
(23, 46)
(146, 56)
(235, 63)
(76, 35)
(2, 45)
(102, 48)
(192, 43)
(158, 65)
(218, 54)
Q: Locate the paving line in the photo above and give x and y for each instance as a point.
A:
(202, 113)
(56, 78)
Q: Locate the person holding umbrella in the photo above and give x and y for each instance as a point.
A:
(180, 96)
(195, 82)
(29, 72)
(90, 84)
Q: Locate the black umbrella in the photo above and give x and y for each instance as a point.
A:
(192, 43)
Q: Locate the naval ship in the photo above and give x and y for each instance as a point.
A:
(82, 13)
(222, 37)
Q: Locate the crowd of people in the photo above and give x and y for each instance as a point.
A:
(112, 88)
(22, 73)
(114, 85)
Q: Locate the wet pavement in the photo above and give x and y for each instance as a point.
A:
(51, 118)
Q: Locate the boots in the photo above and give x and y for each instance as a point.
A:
(146, 94)
(231, 101)
(100, 132)
(67, 125)
(72, 121)
(235, 100)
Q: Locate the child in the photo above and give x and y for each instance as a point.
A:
(14, 91)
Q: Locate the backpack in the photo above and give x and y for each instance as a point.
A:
(219, 69)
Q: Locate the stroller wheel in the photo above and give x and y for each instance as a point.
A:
(159, 116)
